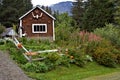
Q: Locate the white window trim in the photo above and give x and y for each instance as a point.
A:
(39, 31)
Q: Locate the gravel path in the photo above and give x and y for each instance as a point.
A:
(111, 76)
(9, 70)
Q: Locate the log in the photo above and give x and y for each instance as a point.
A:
(38, 59)
(54, 50)
(31, 53)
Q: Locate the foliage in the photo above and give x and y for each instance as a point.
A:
(51, 62)
(35, 67)
(109, 32)
(48, 9)
(78, 56)
(104, 54)
(2, 28)
(97, 13)
(117, 13)
(17, 56)
(64, 27)
(2, 41)
(92, 14)
(77, 12)
(12, 10)
(54, 59)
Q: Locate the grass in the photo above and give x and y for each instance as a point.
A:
(73, 73)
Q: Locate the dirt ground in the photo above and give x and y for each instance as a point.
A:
(9, 69)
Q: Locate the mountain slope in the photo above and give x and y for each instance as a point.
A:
(63, 7)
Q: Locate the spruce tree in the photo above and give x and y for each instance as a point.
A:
(11, 10)
(97, 14)
(117, 12)
(92, 14)
(77, 12)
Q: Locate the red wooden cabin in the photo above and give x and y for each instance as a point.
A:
(37, 23)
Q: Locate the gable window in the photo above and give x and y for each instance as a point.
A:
(39, 28)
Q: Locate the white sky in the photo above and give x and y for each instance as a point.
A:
(47, 2)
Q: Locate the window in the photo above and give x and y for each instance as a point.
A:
(39, 28)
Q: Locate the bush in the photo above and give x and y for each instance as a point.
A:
(17, 56)
(104, 54)
(64, 60)
(78, 56)
(2, 29)
(41, 67)
(15, 53)
(51, 59)
(109, 32)
(35, 67)
(104, 57)
(2, 41)
(30, 67)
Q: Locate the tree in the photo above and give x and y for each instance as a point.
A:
(97, 13)
(47, 8)
(63, 26)
(11, 10)
(117, 12)
(2, 28)
(92, 14)
(77, 12)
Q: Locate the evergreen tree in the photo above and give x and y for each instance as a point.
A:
(77, 12)
(117, 12)
(47, 9)
(93, 14)
(11, 10)
(97, 13)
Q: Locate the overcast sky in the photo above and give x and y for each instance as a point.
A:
(47, 2)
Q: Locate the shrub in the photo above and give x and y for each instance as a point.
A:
(41, 67)
(30, 67)
(109, 32)
(15, 53)
(35, 67)
(64, 60)
(51, 59)
(17, 56)
(54, 59)
(2, 41)
(118, 58)
(104, 55)
(2, 29)
(78, 56)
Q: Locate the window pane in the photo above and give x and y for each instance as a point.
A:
(38, 28)
(43, 27)
(35, 28)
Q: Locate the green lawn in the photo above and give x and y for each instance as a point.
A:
(73, 72)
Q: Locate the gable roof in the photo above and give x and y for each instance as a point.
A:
(35, 8)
